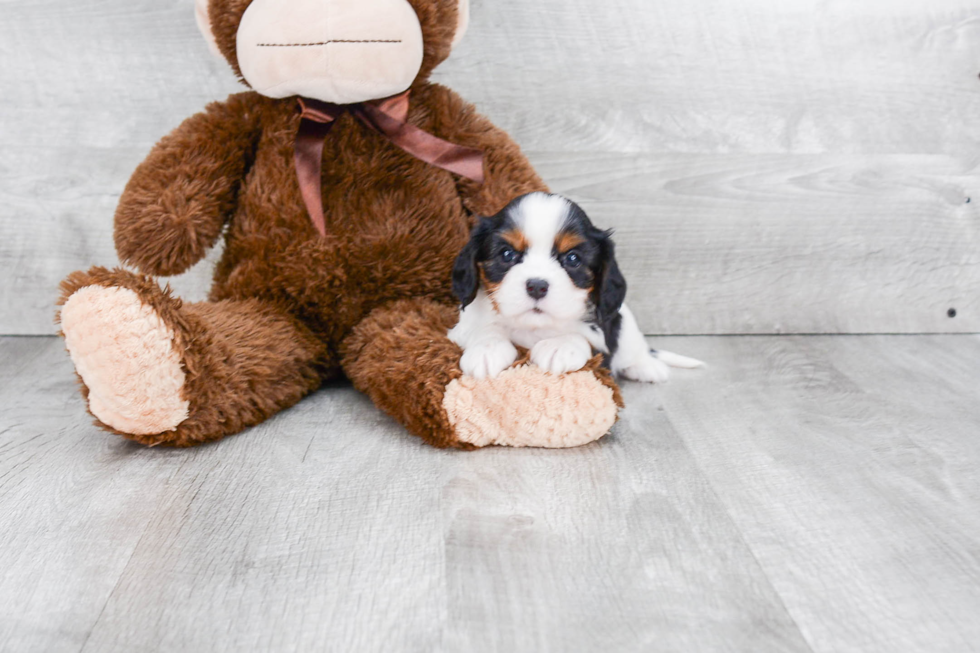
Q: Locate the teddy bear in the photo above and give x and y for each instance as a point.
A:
(344, 184)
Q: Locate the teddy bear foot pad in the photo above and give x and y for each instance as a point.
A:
(124, 354)
(527, 407)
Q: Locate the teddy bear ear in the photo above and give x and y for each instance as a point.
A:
(464, 22)
(204, 24)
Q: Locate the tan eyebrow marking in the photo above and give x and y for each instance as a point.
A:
(567, 240)
(516, 238)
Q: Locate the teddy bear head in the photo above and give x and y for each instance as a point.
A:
(338, 51)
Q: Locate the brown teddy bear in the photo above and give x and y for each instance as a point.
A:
(344, 185)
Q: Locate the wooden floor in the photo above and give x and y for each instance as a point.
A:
(801, 494)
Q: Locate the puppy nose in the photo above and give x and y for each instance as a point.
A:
(537, 288)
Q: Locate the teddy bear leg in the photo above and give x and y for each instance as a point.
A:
(158, 371)
(401, 357)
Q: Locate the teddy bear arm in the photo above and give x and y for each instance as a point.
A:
(179, 198)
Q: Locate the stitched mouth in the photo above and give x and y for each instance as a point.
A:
(313, 45)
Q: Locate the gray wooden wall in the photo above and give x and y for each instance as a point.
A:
(771, 166)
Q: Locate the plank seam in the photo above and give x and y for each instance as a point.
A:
(108, 598)
(738, 529)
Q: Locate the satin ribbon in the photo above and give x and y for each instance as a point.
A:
(388, 117)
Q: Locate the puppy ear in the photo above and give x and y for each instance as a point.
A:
(466, 274)
(610, 286)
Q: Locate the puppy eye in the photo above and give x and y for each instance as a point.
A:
(573, 260)
(507, 255)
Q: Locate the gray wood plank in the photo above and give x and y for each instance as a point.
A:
(850, 467)
(788, 243)
(73, 504)
(618, 546)
(91, 85)
(802, 493)
(255, 534)
(738, 244)
(708, 76)
(320, 529)
(329, 526)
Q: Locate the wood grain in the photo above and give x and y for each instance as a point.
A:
(74, 505)
(329, 527)
(710, 76)
(850, 466)
(618, 546)
(795, 154)
(319, 530)
(90, 86)
(800, 494)
(787, 243)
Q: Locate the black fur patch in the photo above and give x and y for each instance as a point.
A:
(484, 250)
(611, 329)
(466, 274)
(600, 271)
(610, 288)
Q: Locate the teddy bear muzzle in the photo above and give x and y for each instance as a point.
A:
(335, 51)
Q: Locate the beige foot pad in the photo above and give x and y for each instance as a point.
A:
(526, 407)
(125, 355)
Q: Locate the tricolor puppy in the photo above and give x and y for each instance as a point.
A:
(540, 275)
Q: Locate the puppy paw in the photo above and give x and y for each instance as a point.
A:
(648, 370)
(562, 354)
(488, 359)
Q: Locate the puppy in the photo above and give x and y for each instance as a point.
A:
(540, 275)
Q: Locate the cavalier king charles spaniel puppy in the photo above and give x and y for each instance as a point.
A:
(539, 275)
